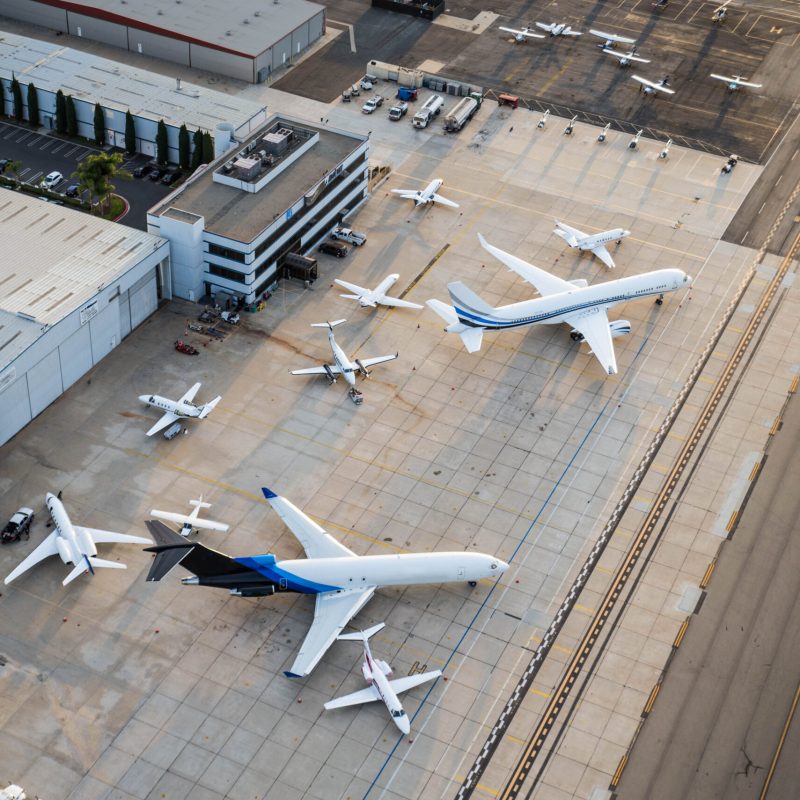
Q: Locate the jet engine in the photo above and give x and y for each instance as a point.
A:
(362, 369)
(619, 327)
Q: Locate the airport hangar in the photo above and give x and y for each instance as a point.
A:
(248, 43)
(72, 286)
(232, 225)
(118, 88)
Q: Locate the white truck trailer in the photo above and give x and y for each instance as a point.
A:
(431, 108)
(462, 112)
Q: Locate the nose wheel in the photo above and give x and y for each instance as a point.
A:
(473, 584)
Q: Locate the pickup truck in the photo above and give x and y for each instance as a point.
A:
(398, 111)
(349, 235)
(371, 104)
(18, 526)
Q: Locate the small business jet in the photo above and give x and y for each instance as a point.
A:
(342, 581)
(735, 82)
(370, 298)
(427, 195)
(74, 544)
(611, 39)
(523, 34)
(376, 673)
(582, 306)
(189, 522)
(650, 87)
(595, 242)
(174, 410)
(558, 29)
(626, 59)
(342, 364)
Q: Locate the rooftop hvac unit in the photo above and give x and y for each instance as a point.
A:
(277, 143)
(247, 168)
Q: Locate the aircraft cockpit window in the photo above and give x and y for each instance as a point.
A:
(398, 712)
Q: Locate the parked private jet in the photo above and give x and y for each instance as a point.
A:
(558, 29)
(342, 364)
(625, 59)
(582, 306)
(174, 410)
(370, 298)
(189, 522)
(342, 581)
(74, 544)
(377, 673)
(427, 195)
(649, 87)
(611, 39)
(595, 242)
(523, 34)
(735, 82)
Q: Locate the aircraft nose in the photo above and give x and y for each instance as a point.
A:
(404, 724)
(144, 398)
(499, 566)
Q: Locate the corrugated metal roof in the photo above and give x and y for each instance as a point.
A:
(113, 85)
(54, 260)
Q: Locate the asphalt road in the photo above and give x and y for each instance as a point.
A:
(718, 722)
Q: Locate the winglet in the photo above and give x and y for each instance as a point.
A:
(268, 493)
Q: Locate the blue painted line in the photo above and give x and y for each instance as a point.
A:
(510, 561)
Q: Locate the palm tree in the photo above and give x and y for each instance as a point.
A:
(95, 174)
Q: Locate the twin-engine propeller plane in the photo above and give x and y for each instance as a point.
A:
(558, 29)
(174, 410)
(582, 306)
(342, 581)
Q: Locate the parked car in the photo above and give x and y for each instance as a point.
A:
(369, 106)
(170, 178)
(143, 171)
(349, 235)
(3, 165)
(157, 174)
(73, 190)
(18, 526)
(52, 180)
(334, 248)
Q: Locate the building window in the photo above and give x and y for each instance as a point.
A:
(224, 272)
(225, 252)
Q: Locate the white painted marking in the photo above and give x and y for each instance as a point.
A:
(779, 179)
(744, 237)
(762, 207)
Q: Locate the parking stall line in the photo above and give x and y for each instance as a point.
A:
(35, 177)
(47, 142)
(72, 150)
(83, 155)
(22, 138)
(61, 146)
(10, 133)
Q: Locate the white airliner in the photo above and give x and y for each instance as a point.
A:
(376, 673)
(735, 82)
(625, 59)
(558, 29)
(574, 302)
(611, 39)
(189, 522)
(342, 581)
(178, 409)
(74, 544)
(342, 364)
(427, 195)
(370, 298)
(595, 242)
(523, 34)
(650, 87)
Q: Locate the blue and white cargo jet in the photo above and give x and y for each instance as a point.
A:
(582, 306)
(342, 581)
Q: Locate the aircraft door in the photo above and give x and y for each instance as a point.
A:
(461, 573)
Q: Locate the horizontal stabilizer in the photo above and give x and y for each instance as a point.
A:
(209, 407)
(330, 325)
(102, 562)
(472, 338)
(444, 310)
(362, 636)
(78, 570)
(199, 503)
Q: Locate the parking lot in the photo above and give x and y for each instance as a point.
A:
(41, 154)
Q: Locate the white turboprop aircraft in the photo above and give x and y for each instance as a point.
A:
(178, 409)
(522, 34)
(595, 242)
(427, 195)
(625, 59)
(342, 581)
(75, 544)
(650, 87)
(574, 302)
(370, 298)
(189, 522)
(611, 39)
(376, 673)
(558, 29)
(735, 82)
(343, 365)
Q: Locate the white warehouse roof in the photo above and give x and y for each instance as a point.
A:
(113, 85)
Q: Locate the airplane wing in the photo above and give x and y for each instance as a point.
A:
(359, 290)
(316, 542)
(722, 77)
(544, 282)
(594, 328)
(186, 519)
(544, 27)
(404, 684)
(659, 87)
(612, 37)
(371, 362)
(167, 419)
(603, 254)
(437, 198)
(509, 30)
(625, 56)
(100, 537)
(190, 395)
(316, 370)
(368, 695)
(396, 302)
(332, 612)
(47, 548)
(570, 32)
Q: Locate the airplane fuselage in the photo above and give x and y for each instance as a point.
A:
(372, 298)
(180, 409)
(347, 369)
(555, 307)
(590, 242)
(72, 545)
(426, 195)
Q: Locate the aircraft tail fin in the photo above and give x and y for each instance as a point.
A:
(467, 304)
(362, 636)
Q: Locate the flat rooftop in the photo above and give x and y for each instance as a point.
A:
(247, 29)
(115, 85)
(242, 216)
(55, 259)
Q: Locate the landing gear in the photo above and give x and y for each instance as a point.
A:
(659, 299)
(473, 584)
(575, 336)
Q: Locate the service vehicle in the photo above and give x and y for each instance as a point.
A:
(52, 180)
(463, 111)
(348, 235)
(366, 85)
(398, 111)
(173, 430)
(18, 526)
(431, 108)
(231, 317)
(406, 93)
(346, 95)
(369, 106)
